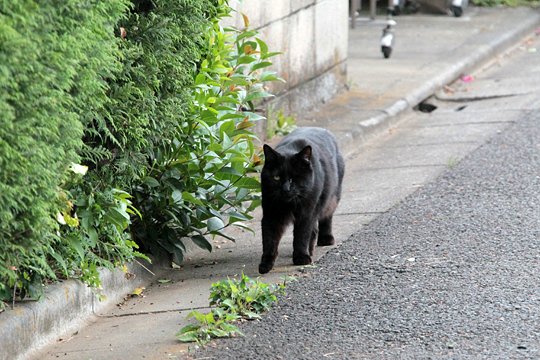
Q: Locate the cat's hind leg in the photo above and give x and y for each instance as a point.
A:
(314, 234)
(325, 222)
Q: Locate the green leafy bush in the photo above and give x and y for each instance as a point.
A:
(200, 183)
(54, 57)
(156, 101)
(505, 2)
(115, 74)
(93, 231)
(149, 95)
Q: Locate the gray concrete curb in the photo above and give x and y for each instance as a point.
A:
(478, 53)
(64, 307)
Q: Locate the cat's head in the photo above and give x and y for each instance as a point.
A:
(287, 177)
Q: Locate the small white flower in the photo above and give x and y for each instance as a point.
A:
(60, 219)
(78, 169)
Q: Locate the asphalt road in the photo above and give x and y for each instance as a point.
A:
(451, 272)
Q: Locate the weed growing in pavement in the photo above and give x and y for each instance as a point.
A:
(215, 324)
(246, 297)
(234, 299)
(452, 162)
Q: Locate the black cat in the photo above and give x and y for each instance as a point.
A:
(301, 184)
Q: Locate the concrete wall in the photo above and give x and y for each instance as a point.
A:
(313, 36)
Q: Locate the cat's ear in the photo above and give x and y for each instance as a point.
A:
(305, 154)
(270, 155)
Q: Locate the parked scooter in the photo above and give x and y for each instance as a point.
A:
(395, 7)
(458, 6)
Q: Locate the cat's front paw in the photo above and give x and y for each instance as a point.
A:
(326, 240)
(301, 259)
(265, 267)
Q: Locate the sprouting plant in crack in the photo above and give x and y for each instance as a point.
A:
(215, 324)
(232, 300)
(452, 162)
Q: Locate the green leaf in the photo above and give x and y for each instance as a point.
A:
(59, 259)
(93, 237)
(151, 182)
(245, 59)
(239, 80)
(232, 116)
(246, 34)
(234, 288)
(77, 246)
(262, 46)
(252, 315)
(202, 242)
(261, 65)
(177, 196)
(269, 76)
(229, 303)
(230, 171)
(209, 318)
(191, 198)
(235, 216)
(244, 227)
(218, 333)
(249, 183)
(219, 313)
(271, 54)
(258, 95)
(215, 224)
(189, 328)
(191, 336)
(232, 329)
(199, 316)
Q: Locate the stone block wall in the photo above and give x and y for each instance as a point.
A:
(313, 37)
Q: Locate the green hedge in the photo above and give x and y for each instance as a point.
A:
(54, 57)
(200, 182)
(98, 82)
(161, 48)
(155, 100)
(148, 100)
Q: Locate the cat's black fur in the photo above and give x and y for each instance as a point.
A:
(301, 184)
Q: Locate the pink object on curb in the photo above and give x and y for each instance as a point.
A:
(467, 78)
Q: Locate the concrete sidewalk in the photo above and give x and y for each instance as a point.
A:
(430, 52)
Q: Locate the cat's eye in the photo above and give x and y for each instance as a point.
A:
(276, 177)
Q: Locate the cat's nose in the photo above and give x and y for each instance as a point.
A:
(287, 186)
